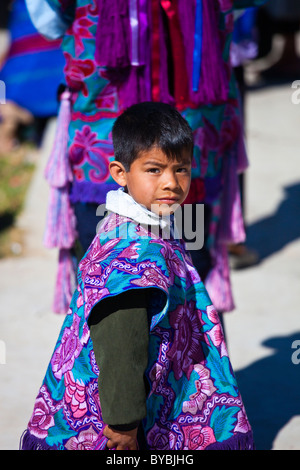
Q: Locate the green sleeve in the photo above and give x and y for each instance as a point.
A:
(120, 341)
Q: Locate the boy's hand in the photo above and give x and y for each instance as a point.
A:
(121, 440)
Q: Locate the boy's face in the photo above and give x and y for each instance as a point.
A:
(157, 182)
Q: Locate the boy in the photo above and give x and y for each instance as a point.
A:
(141, 336)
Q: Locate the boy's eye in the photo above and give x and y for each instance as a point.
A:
(182, 170)
(153, 170)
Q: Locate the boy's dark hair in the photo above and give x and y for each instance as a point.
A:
(149, 124)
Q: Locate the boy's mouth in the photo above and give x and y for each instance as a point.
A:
(168, 200)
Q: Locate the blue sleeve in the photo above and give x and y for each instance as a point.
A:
(49, 17)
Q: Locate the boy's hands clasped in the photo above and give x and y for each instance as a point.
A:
(121, 440)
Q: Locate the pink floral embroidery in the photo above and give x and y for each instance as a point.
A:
(68, 350)
(41, 419)
(173, 262)
(216, 333)
(151, 277)
(212, 314)
(80, 27)
(205, 388)
(131, 251)
(185, 350)
(92, 297)
(197, 437)
(84, 441)
(87, 147)
(242, 422)
(161, 439)
(91, 264)
(155, 375)
(108, 99)
(76, 71)
(75, 395)
(79, 301)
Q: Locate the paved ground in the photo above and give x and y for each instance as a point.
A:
(260, 331)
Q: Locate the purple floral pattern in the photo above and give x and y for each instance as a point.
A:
(41, 419)
(188, 362)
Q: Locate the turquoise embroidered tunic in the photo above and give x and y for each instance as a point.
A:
(193, 401)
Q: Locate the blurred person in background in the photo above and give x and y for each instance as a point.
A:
(244, 48)
(122, 52)
(280, 17)
(32, 69)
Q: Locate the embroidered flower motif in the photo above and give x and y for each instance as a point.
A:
(86, 147)
(91, 263)
(92, 296)
(41, 419)
(107, 100)
(80, 28)
(212, 314)
(75, 395)
(216, 333)
(173, 262)
(161, 439)
(151, 277)
(205, 388)
(185, 350)
(242, 422)
(155, 375)
(131, 251)
(79, 301)
(76, 71)
(197, 437)
(112, 222)
(68, 350)
(84, 441)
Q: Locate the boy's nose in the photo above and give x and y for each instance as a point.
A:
(170, 180)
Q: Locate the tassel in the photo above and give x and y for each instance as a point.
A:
(65, 281)
(30, 442)
(58, 171)
(238, 441)
(231, 228)
(218, 283)
(60, 231)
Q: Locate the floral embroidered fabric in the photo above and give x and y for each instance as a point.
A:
(194, 402)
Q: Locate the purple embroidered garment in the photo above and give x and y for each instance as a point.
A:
(193, 403)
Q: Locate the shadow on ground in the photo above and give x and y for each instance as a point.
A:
(270, 388)
(271, 234)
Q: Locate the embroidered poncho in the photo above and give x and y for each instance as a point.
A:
(194, 402)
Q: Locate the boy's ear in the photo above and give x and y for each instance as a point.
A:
(118, 172)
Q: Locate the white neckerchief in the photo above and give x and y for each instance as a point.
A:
(123, 204)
